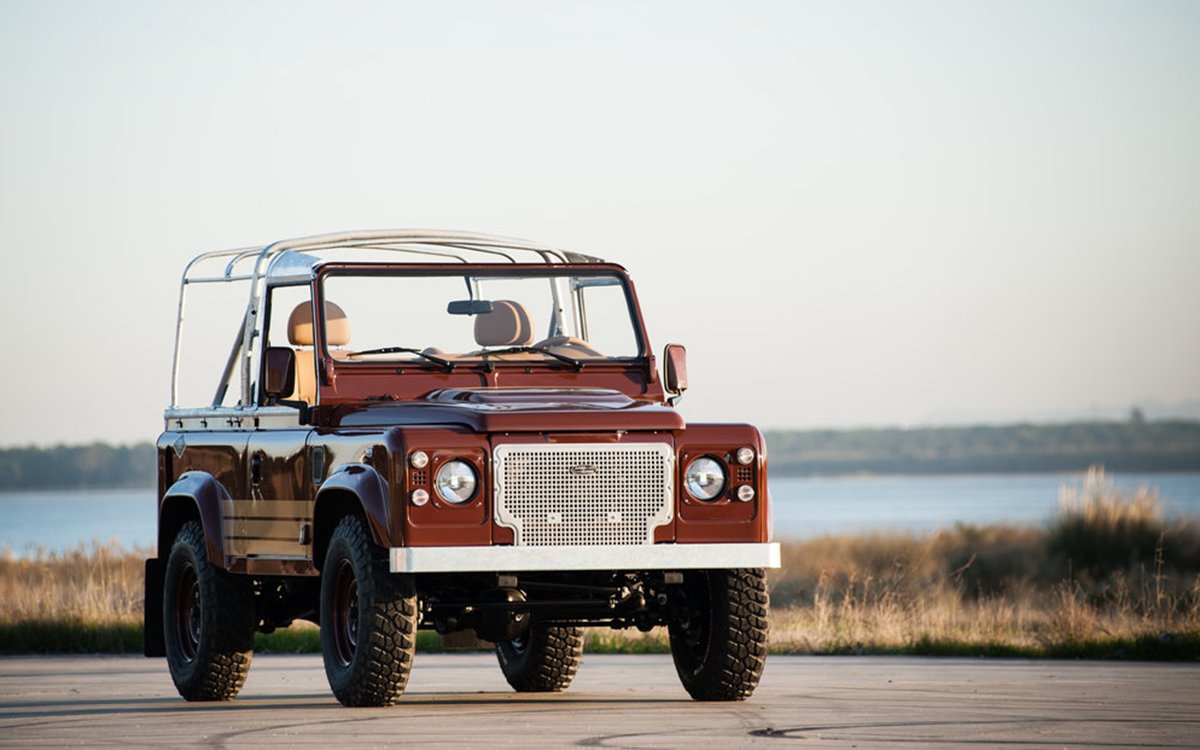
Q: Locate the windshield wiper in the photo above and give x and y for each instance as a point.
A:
(540, 350)
(445, 364)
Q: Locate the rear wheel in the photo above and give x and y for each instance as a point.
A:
(208, 621)
(368, 619)
(543, 660)
(719, 635)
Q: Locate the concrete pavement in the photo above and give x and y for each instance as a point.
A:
(616, 702)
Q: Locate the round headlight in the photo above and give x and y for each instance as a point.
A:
(745, 455)
(418, 459)
(456, 482)
(705, 478)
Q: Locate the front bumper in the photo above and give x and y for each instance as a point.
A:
(608, 557)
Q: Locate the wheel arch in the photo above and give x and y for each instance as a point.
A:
(350, 488)
(195, 496)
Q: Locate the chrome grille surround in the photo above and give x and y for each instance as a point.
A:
(583, 493)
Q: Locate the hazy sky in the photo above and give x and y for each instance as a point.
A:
(851, 213)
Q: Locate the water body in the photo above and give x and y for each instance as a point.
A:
(61, 519)
(803, 507)
(807, 507)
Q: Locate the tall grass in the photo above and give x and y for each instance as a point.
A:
(96, 583)
(1108, 576)
(85, 599)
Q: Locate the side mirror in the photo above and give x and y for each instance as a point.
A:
(675, 370)
(279, 372)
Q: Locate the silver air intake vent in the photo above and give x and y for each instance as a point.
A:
(584, 493)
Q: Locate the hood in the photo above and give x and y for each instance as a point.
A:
(517, 410)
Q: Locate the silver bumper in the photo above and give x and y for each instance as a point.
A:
(609, 557)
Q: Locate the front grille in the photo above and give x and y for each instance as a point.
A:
(584, 493)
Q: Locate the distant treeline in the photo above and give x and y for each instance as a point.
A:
(77, 466)
(1117, 446)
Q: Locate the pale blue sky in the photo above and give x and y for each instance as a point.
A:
(851, 213)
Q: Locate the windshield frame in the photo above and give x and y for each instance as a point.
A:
(482, 271)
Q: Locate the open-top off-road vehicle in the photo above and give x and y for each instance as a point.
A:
(442, 430)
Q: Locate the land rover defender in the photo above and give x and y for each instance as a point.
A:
(448, 431)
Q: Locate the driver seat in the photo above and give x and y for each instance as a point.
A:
(300, 336)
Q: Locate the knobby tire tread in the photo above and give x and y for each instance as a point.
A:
(737, 639)
(549, 662)
(379, 671)
(223, 659)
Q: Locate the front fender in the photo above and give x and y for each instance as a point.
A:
(350, 488)
(196, 494)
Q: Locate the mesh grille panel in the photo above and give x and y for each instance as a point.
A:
(583, 493)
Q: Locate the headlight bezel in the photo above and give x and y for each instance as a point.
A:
(699, 493)
(449, 494)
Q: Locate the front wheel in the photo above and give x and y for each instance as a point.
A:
(368, 619)
(208, 621)
(543, 660)
(719, 633)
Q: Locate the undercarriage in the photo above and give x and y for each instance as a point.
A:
(501, 607)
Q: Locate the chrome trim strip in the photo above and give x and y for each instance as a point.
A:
(615, 557)
(231, 418)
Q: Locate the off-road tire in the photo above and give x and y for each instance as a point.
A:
(368, 619)
(719, 639)
(208, 621)
(544, 660)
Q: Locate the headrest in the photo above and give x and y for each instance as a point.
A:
(300, 325)
(508, 324)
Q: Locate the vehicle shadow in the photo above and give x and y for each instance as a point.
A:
(83, 707)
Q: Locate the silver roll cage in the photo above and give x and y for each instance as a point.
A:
(293, 260)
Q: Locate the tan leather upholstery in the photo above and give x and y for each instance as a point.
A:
(300, 334)
(300, 325)
(508, 324)
(306, 377)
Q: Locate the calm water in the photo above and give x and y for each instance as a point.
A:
(802, 507)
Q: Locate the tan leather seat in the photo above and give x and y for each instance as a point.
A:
(300, 335)
(508, 324)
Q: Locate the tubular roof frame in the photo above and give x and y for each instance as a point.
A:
(431, 243)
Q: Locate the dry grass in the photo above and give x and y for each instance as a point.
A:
(99, 583)
(1109, 576)
(86, 599)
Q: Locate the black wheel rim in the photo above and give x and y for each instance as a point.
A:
(187, 612)
(345, 612)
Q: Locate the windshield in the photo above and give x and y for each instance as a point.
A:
(492, 318)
